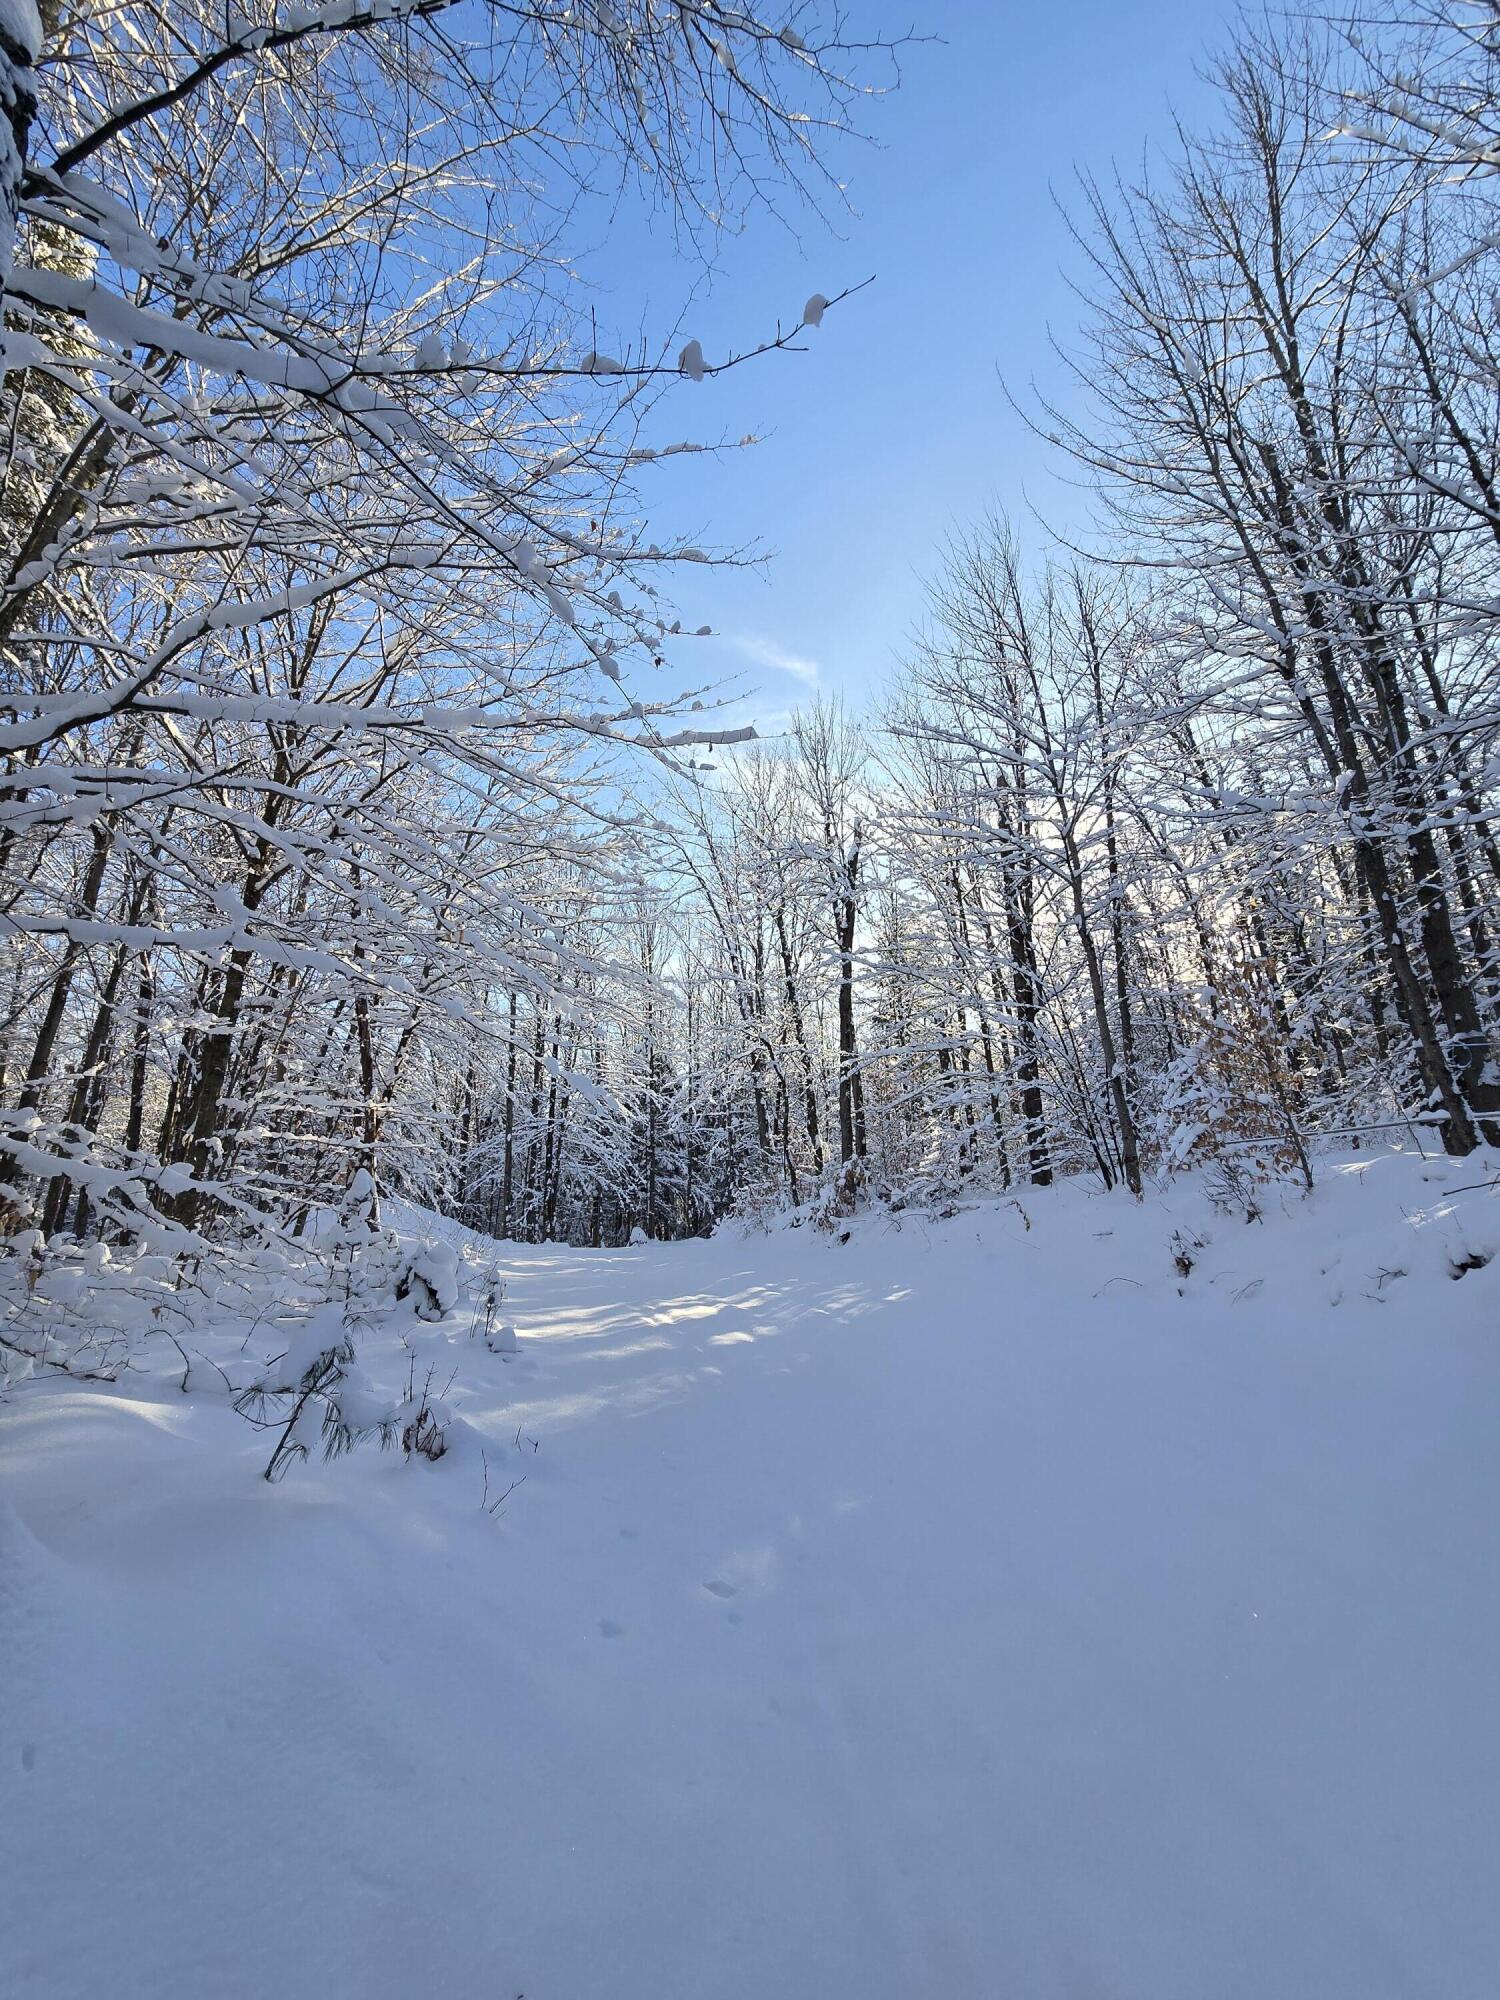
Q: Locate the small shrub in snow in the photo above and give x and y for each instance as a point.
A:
(1185, 1252)
(428, 1426)
(318, 1397)
(1233, 1185)
(430, 1281)
(423, 1435)
(84, 1310)
(320, 1401)
(499, 1335)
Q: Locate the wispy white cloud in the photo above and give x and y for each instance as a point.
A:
(767, 653)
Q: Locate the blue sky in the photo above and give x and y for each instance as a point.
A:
(893, 428)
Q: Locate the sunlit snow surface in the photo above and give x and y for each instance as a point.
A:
(970, 1610)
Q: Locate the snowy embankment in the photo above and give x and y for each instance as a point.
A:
(972, 1609)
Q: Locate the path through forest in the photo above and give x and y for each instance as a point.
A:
(960, 1611)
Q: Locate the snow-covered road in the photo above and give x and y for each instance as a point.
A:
(958, 1612)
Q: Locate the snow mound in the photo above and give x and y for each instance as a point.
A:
(430, 1281)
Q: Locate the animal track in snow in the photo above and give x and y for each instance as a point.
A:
(722, 1587)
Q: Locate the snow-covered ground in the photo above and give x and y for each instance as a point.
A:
(970, 1610)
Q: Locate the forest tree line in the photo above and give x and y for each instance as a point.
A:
(362, 835)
